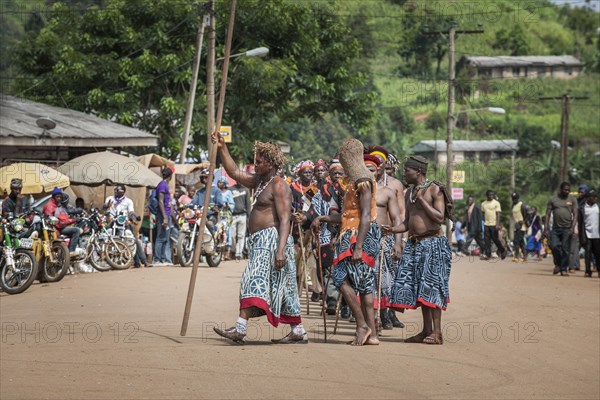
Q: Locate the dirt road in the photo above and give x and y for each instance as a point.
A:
(511, 331)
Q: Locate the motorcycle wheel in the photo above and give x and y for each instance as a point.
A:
(13, 282)
(186, 257)
(93, 253)
(55, 271)
(215, 259)
(118, 255)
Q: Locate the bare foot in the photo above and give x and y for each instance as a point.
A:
(418, 338)
(362, 335)
(372, 341)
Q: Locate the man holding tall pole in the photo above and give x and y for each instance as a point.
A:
(268, 285)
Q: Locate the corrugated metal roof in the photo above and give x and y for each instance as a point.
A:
(427, 146)
(73, 128)
(522, 61)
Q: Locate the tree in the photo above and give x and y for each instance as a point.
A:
(514, 41)
(417, 49)
(131, 61)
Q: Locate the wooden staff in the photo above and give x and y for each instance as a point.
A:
(377, 315)
(337, 312)
(323, 289)
(303, 261)
(212, 160)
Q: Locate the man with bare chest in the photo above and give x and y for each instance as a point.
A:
(387, 212)
(268, 285)
(424, 270)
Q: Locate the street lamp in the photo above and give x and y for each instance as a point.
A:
(493, 110)
(257, 52)
(210, 86)
(210, 90)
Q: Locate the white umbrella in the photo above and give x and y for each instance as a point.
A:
(107, 168)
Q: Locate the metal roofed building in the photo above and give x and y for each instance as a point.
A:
(31, 131)
(560, 67)
(466, 150)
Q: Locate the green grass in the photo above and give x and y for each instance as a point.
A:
(545, 32)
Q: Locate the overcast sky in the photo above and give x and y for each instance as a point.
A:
(579, 3)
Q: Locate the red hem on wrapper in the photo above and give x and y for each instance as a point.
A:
(384, 302)
(420, 302)
(370, 261)
(273, 320)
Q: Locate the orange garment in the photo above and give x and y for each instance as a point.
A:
(351, 212)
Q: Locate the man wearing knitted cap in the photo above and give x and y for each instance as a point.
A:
(424, 270)
(13, 203)
(386, 180)
(268, 285)
(359, 242)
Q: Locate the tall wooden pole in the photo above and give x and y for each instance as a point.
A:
(450, 119)
(210, 77)
(564, 139)
(192, 96)
(564, 131)
(212, 159)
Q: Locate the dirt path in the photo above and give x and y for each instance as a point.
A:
(511, 331)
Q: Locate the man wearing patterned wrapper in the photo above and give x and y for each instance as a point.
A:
(268, 285)
(424, 270)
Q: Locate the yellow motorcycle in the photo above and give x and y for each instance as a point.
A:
(49, 248)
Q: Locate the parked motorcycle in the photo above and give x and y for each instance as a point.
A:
(49, 248)
(120, 229)
(100, 247)
(18, 267)
(189, 227)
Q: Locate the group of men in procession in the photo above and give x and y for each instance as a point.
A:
(375, 242)
(361, 232)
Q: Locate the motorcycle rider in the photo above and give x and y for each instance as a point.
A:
(54, 208)
(199, 199)
(118, 204)
(181, 196)
(226, 204)
(13, 203)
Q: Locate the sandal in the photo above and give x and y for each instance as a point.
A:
(431, 339)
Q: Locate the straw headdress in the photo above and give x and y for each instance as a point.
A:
(351, 157)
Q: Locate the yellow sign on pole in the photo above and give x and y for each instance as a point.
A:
(458, 176)
(226, 133)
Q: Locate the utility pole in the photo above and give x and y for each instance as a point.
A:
(451, 118)
(564, 131)
(192, 95)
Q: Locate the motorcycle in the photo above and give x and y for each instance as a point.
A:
(224, 221)
(189, 227)
(100, 247)
(50, 250)
(18, 267)
(120, 229)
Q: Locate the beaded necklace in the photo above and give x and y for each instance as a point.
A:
(261, 187)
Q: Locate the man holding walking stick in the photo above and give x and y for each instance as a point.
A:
(268, 285)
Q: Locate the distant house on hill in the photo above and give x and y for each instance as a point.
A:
(466, 150)
(559, 67)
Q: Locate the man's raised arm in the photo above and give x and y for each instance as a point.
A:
(244, 178)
